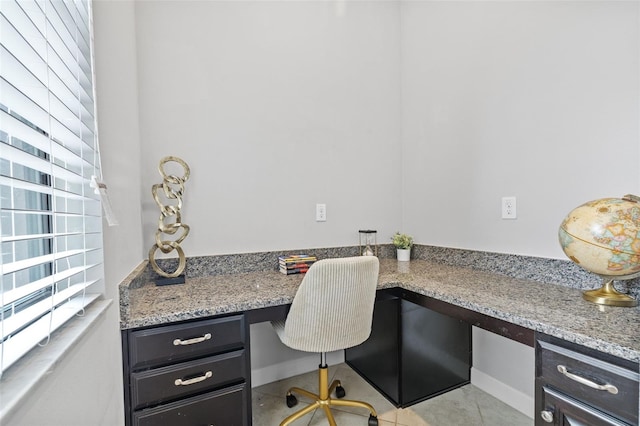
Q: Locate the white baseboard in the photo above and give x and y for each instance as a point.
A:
(510, 396)
(284, 370)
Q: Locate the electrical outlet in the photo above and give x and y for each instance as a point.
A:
(509, 208)
(321, 212)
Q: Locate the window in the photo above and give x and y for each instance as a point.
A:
(50, 217)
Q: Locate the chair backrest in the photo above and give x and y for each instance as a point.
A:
(333, 307)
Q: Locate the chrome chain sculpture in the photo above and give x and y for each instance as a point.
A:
(170, 217)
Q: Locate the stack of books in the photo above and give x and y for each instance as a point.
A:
(295, 264)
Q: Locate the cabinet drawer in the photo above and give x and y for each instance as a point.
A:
(606, 386)
(226, 407)
(165, 384)
(563, 410)
(168, 344)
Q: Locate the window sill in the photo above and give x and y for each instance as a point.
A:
(26, 373)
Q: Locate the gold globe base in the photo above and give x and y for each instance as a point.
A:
(608, 295)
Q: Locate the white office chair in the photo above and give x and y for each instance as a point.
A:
(332, 310)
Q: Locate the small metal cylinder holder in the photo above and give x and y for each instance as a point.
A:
(368, 242)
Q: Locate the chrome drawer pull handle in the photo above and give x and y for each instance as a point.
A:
(180, 382)
(180, 342)
(606, 387)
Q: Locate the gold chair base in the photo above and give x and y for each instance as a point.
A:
(608, 295)
(323, 400)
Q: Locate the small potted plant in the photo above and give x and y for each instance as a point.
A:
(403, 243)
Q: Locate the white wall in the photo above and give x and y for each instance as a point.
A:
(536, 99)
(117, 102)
(119, 130)
(85, 387)
(505, 369)
(276, 106)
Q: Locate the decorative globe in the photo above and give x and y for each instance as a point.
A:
(603, 236)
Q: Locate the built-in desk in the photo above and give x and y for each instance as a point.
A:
(515, 308)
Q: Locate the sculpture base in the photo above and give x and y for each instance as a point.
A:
(180, 279)
(607, 295)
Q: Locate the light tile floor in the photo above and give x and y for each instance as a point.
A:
(465, 406)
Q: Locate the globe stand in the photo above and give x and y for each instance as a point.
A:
(608, 295)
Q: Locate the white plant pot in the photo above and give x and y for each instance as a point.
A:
(404, 255)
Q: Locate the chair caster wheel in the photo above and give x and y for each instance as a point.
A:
(340, 393)
(373, 421)
(292, 401)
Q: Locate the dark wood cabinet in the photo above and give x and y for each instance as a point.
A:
(580, 386)
(188, 373)
(224, 407)
(150, 347)
(566, 411)
(377, 360)
(413, 353)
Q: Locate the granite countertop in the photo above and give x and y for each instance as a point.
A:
(549, 308)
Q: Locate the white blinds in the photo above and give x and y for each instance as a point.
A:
(50, 218)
